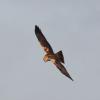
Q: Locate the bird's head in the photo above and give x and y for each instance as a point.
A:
(46, 58)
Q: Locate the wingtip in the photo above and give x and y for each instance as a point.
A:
(72, 79)
(69, 77)
(37, 29)
(36, 26)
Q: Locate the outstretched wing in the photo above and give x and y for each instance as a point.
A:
(62, 69)
(44, 43)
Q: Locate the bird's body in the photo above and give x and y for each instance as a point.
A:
(56, 58)
(50, 57)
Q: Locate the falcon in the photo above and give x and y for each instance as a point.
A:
(56, 58)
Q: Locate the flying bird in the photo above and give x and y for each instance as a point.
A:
(56, 58)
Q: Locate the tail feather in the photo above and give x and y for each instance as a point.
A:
(60, 56)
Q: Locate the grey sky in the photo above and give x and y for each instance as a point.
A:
(69, 25)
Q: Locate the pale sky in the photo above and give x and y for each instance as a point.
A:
(72, 26)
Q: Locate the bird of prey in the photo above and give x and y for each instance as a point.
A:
(56, 58)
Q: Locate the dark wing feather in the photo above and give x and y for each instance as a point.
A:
(62, 69)
(44, 43)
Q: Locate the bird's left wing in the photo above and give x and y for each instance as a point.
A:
(62, 69)
(44, 43)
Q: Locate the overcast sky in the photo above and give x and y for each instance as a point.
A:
(69, 25)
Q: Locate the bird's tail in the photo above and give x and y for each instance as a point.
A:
(60, 56)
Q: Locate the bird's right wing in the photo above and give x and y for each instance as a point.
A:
(62, 69)
(44, 43)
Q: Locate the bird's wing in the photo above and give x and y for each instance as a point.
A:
(62, 69)
(44, 43)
